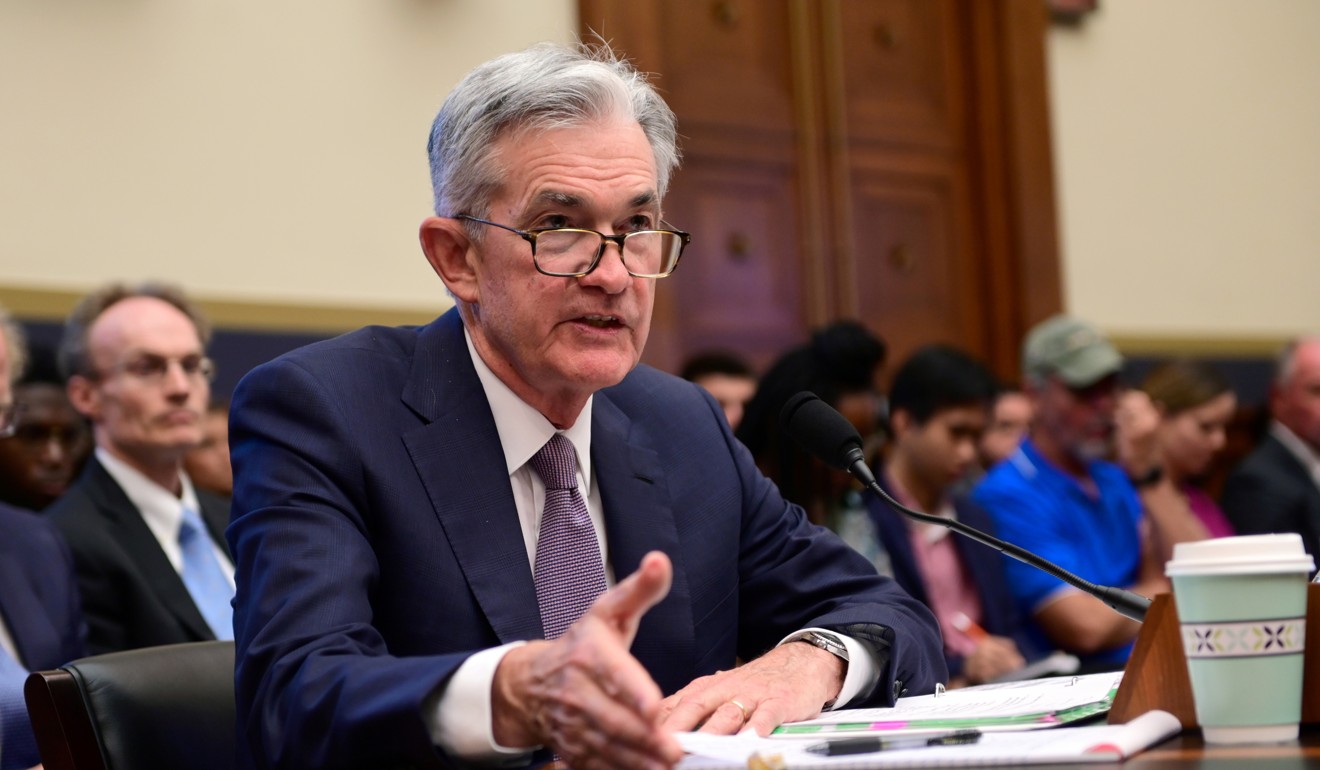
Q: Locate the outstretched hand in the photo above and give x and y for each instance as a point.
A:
(789, 683)
(584, 695)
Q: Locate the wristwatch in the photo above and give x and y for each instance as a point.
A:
(826, 642)
(1150, 478)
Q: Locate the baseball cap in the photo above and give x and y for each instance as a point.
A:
(1072, 349)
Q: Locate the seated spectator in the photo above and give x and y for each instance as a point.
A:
(842, 365)
(1277, 487)
(207, 464)
(1060, 497)
(50, 443)
(40, 624)
(1010, 418)
(937, 413)
(726, 377)
(1195, 404)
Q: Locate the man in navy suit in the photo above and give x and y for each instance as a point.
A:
(135, 360)
(40, 623)
(1277, 487)
(390, 513)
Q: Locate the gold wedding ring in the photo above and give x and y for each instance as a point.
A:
(742, 708)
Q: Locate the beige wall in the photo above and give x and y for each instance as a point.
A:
(1187, 152)
(252, 150)
(272, 152)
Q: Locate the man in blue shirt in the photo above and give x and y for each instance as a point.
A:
(1059, 496)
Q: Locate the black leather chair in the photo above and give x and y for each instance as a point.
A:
(157, 708)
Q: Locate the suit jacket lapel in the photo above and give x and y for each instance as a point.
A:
(27, 620)
(136, 538)
(639, 518)
(461, 464)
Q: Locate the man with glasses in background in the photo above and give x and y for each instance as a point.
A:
(149, 547)
(497, 533)
(40, 621)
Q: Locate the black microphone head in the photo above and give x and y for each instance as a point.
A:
(821, 430)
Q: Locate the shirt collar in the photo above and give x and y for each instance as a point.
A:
(158, 506)
(522, 429)
(1307, 456)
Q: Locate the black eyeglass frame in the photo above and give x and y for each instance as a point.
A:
(531, 235)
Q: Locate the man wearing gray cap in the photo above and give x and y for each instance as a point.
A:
(1061, 497)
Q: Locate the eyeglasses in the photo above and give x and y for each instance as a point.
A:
(152, 369)
(8, 419)
(571, 252)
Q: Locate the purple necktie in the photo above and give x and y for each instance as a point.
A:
(569, 574)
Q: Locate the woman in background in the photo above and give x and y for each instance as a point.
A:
(1195, 404)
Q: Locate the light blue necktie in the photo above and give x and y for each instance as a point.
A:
(203, 577)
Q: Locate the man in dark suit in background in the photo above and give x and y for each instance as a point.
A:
(424, 516)
(149, 548)
(40, 623)
(1277, 487)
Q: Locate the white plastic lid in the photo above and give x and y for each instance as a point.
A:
(1247, 554)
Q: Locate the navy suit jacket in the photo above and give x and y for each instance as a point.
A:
(132, 595)
(378, 545)
(1271, 491)
(984, 566)
(39, 601)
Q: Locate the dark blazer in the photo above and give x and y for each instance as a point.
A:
(984, 565)
(39, 602)
(1271, 491)
(132, 596)
(378, 545)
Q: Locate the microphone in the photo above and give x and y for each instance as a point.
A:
(828, 436)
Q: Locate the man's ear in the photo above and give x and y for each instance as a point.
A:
(449, 250)
(899, 422)
(84, 397)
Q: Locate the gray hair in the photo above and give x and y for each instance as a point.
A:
(1286, 363)
(72, 354)
(546, 86)
(14, 340)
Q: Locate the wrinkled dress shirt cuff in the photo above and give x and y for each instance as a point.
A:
(458, 713)
(862, 667)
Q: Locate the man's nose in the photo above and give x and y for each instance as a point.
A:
(610, 273)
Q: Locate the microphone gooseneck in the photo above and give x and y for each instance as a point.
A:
(828, 436)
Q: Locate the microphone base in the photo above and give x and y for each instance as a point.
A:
(1156, 674)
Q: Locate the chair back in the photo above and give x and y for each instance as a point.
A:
(154, 708)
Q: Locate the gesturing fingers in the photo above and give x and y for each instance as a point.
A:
(623, 606)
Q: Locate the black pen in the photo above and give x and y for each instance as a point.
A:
(869, 744)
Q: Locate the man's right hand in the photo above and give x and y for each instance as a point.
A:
(584, 695)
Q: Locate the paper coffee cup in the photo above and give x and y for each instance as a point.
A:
(1242, 608)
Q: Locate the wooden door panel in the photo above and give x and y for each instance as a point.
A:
(911, 272)
(737, 286)
(900, 72)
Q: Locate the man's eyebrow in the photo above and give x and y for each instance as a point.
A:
(569, 200)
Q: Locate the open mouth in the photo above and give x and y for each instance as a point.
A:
(601, 321)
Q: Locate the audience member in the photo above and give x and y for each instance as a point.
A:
(1010, 419)
(1277, 487)
(1059, 497)
(50, 443)
(40, 625)
(726, 377)
(207, 464)
(405, 599)
(937, 413)
(152, 567)
(842, 364)
(1195, 405)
